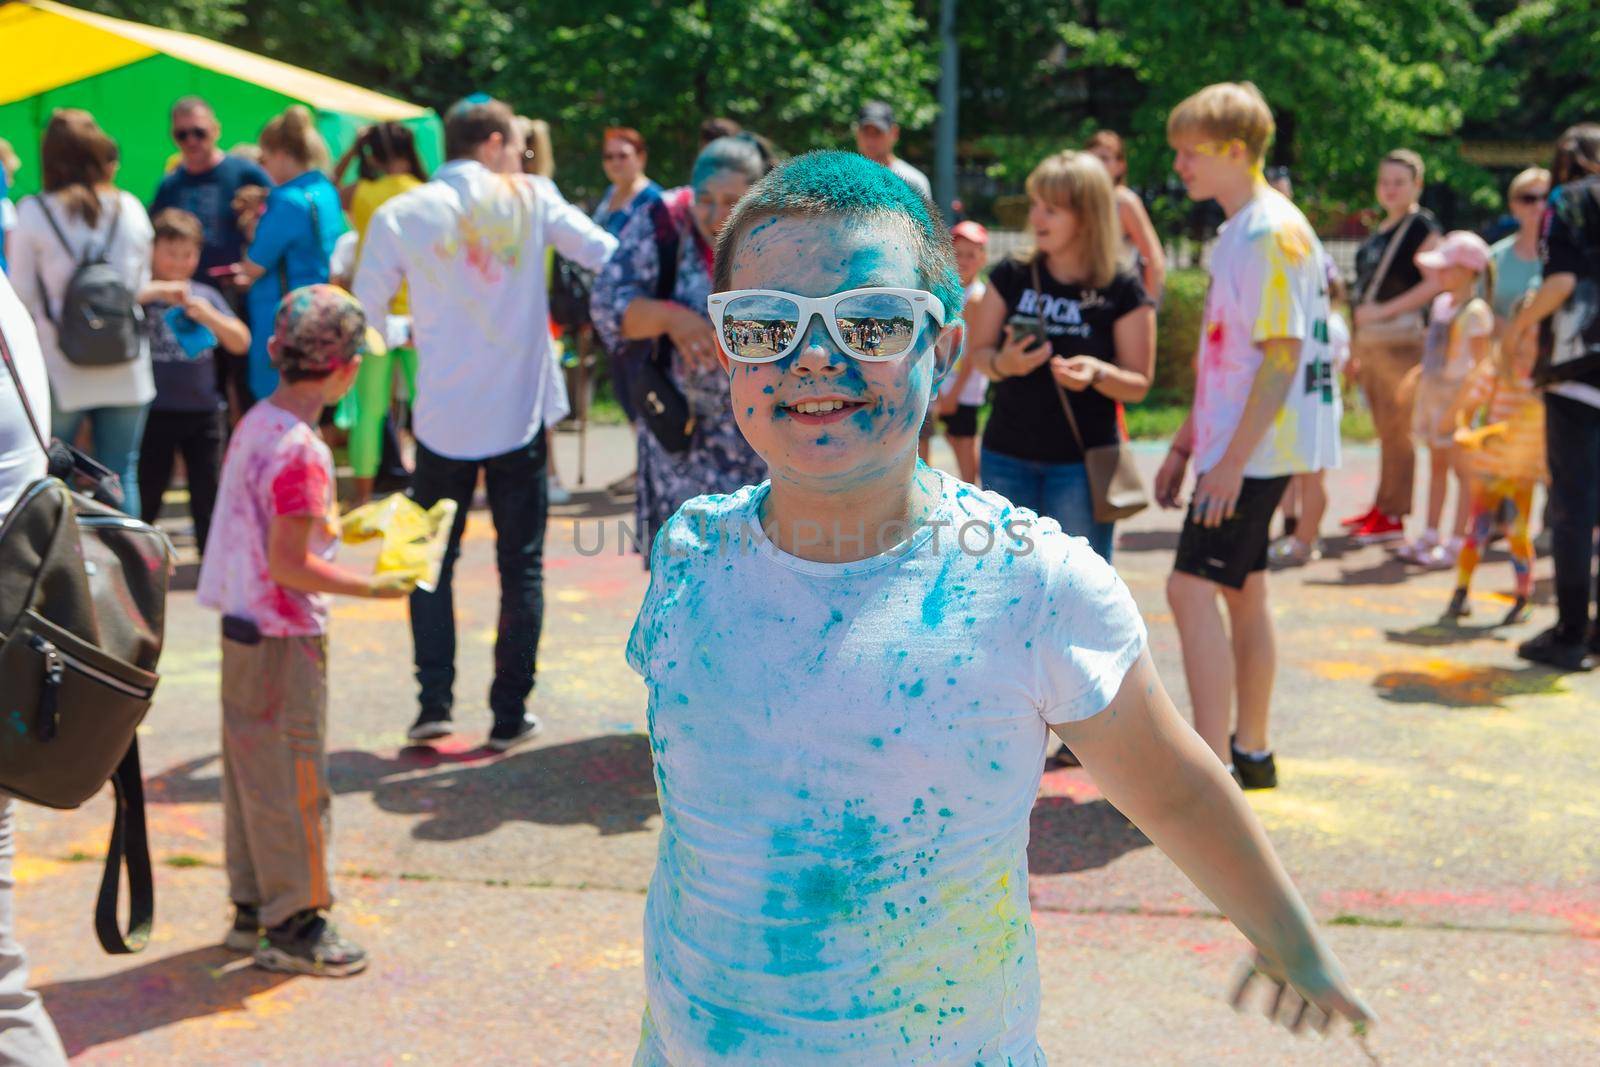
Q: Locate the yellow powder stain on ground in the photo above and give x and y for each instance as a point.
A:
(1341, 670)
(27, 869)
(1281, 810)
(621, 957)
(269, 1004)
(569, 596)
(352, 609)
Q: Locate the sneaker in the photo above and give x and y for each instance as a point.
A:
(1436, 557)
(431, 723)
(1360, 520)
(308, 944)
(507, 734)
(1559, 649)
(558, 494)
(1378, 529)
(1459, 607)
(245, 933)
(1293, 552)
(1253, 772)
(1521, 611)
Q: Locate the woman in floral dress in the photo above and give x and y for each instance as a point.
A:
(626, 310)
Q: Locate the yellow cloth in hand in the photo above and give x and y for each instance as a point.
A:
(414, 540)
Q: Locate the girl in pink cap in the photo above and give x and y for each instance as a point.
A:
(1459, 327)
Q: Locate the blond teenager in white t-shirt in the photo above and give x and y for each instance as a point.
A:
(1265, 409)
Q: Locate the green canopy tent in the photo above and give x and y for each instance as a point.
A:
(128, 75)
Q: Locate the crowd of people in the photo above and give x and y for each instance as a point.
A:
(242, 351)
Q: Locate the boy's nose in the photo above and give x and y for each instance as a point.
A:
(817, 353)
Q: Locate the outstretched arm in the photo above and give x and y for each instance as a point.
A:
(1156, 770)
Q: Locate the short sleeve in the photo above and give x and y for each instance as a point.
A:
(1128, 294)
(212, 297)
(1006, 279)
(1562, 248)
(1276, 301)
(299, 485)
(646, 625)
(1088, 633)
(630, 273)
(276, 230)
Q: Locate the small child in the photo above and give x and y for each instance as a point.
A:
(1460, 324)
(853, 672)
(964, 389)
(1506, 457)
(277, 530)
(188, 321)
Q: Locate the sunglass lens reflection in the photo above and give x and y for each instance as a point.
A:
(877, 326)
(759, 327)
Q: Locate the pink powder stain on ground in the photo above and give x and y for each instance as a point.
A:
(1579, 909)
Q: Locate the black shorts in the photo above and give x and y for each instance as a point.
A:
(1230, 553)
(964, 423)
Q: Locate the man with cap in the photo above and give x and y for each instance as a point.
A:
(276, 524)
(876, 135)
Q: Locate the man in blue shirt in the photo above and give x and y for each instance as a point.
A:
(204, 182)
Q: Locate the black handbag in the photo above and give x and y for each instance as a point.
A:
(656, 397)
(83, 593)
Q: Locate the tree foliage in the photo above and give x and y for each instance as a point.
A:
(1348, 79)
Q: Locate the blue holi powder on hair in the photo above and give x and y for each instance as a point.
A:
(852, 186)
(737, 154)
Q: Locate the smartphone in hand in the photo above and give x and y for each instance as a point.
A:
(1028, 326)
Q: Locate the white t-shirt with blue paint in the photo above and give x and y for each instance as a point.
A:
(846, 757)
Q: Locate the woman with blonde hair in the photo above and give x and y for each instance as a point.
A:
(295, 237)
(1064, 327)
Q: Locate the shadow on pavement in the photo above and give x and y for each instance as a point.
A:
(1065, 836)
(1390, 571)
(1458, 686)
(1441, 634)
(200, 982)
(1148, 541)
(604, 781)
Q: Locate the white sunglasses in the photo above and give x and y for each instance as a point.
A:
(876, 324)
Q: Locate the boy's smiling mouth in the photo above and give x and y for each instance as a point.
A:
(821, 410)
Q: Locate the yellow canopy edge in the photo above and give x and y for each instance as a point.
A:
(317, 90)
(41, 50)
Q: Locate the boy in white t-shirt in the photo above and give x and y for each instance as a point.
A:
(1265, 407)
(853, 670)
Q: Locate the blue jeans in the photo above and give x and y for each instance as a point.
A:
(518, 503)
(1058, 490)
(116, 432)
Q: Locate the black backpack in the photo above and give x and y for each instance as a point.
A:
(83, 592)
(570, 288)
(100, 320)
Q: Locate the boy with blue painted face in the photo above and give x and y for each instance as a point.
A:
(853, 669)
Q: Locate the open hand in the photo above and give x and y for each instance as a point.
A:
(693, 337)
(1216, 494)
(1311, 997)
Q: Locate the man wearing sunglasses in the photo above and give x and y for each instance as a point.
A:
(203, 183)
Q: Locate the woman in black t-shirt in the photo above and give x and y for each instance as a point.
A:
(1098, 350)
(1384, 350)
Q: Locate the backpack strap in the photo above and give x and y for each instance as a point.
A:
(130, 847)
(111, 231)
(22, 394)
(316, 235)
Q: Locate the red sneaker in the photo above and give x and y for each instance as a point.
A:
(1377, 529)
(1360, 520)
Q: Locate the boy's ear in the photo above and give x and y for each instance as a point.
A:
(947, 348)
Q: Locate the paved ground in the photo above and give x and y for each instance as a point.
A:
(1439, 808)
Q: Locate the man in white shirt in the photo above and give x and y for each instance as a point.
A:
(876, 135)
(26, 1033)
(470, 247)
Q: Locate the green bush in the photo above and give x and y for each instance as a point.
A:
(1178, 326)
